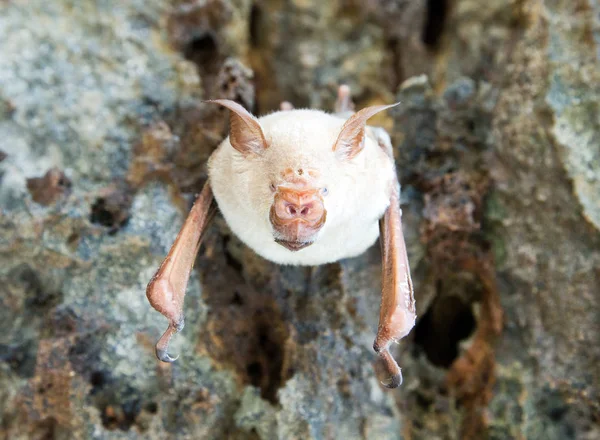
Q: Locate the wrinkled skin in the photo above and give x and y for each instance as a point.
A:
(301, 187)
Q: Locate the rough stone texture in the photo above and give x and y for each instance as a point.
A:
(544, 213)
(104, 139)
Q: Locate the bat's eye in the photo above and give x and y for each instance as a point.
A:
(272, 187)
(324, 191)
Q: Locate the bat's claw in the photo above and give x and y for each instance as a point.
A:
(395, 379)
(162, 346)
(162, 355)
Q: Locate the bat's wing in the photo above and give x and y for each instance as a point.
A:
(166, 290)
(397, 314)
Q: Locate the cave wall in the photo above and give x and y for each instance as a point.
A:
(103, 142)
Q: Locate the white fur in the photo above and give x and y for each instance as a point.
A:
(358, 189)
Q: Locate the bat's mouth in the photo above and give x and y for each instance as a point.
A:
(293, 245)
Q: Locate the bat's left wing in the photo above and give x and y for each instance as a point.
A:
(397, 314)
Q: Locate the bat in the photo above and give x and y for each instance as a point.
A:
(300, 187)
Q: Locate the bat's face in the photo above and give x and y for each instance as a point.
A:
(298, 188)
(289, 182)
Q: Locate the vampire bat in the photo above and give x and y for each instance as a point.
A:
(300, 187)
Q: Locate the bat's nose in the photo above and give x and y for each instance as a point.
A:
(292, 206)
(297, 216)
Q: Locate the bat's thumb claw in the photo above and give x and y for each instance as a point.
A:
(394, 381)
(162, 345)
(162, 355)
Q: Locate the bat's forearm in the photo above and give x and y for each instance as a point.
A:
(397, 314)
(166, 290)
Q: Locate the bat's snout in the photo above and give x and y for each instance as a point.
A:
(297, 216)
(290, 205)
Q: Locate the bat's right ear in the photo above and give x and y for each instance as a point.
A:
(245, 133)
(350, 141)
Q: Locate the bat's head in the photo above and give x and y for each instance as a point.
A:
(297, 169)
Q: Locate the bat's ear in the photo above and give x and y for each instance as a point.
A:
(351, 139)
(245, 133)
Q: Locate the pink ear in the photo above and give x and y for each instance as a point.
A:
(350, 141)
(245, 133)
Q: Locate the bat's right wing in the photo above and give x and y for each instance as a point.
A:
(166, 290)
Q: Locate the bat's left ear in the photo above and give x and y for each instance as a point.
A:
(245, 133)
(351, 139)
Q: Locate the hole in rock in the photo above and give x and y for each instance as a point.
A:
(256, 26)
(111, 210)
(97, 380)
(203, 51)
(435, 21)
(151, 407)
(447, 322)
(255, 373)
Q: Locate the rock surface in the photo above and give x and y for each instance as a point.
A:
(104, 140)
